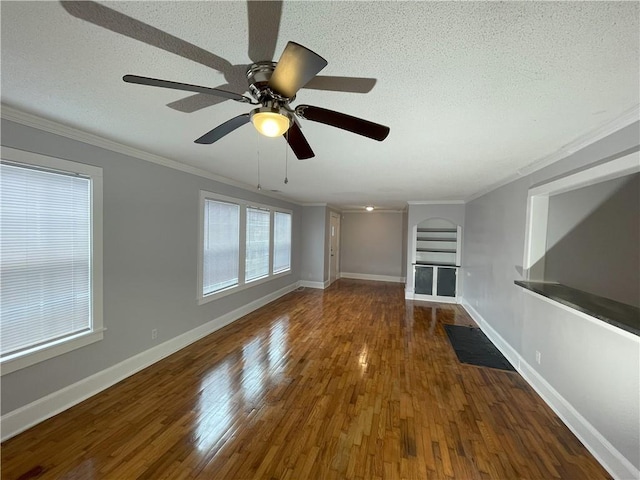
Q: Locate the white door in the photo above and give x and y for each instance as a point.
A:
(334, 247)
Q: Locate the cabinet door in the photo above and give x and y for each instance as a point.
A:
(424, 280)
(446, 283)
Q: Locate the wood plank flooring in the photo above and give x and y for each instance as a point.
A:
(352, 382)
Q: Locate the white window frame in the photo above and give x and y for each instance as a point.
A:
(40, 353)
(242, 283)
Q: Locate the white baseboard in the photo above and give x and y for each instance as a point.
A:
(608, 456)
(375, 278)
(507, 350)
(411, 295)
(310, 284)
(29, 415)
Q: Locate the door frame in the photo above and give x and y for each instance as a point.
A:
(334, 253)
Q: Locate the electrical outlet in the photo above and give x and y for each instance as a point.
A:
(538, 357)
(154, 334)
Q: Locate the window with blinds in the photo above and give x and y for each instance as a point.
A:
(46, 257)
(242, 245)
(281, 242)
(221, 256)
(257, 249)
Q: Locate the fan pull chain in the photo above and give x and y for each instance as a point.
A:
(258, 155)
(286, 159)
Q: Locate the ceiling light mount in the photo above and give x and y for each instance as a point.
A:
(369, 208)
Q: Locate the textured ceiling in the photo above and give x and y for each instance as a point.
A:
(472, 91)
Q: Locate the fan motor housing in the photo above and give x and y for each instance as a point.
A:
(258, 76)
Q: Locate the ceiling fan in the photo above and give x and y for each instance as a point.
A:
(273, 87)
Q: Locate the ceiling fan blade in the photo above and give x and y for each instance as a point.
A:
(154, 82)
(343, 121)
(342, 84)
(298, 142)
(222, 130)
(297, 65)
(264, 24)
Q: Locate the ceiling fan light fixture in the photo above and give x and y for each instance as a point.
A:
(270, 122)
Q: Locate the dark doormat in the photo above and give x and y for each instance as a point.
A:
(473, 347)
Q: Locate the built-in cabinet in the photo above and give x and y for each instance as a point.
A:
(436, 260)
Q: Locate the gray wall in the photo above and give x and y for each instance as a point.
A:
(150, 261)
(593, 239)
(313, 233)
(372, 243)
(594, 369)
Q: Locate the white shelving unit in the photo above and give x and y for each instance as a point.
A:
(436, 260)
(437, 246)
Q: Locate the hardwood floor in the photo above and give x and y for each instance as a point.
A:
(350, 382)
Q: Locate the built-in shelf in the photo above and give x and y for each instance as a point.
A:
(437, 245)
(435, 239)
(435, 250)
(436, 260)
(437, 230)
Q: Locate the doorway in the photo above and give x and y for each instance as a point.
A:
(334, 247)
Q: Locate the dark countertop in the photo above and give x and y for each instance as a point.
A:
(621, 315)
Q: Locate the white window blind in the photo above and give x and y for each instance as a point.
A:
(281, 242)
(221, 246)
(242, 244)
(257, 251)
(45, 237)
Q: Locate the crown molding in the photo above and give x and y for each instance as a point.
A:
(627, 118)
(436, 202)
(377, 210)
(319, 204)
(30, 120)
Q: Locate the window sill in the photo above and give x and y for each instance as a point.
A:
(25, 359)
(620, 315)
(239, 288)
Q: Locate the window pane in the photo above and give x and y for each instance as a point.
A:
(221, 246)
(45, 236)
(282, 242)
(257, 254)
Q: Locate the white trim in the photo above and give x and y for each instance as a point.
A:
(615, 168)
(605, 453)
(50, 126)
(32, 356)
(419, 297)
(40, 354)
(310, 284)
(375, 278)
(627, 118)
(535, 246)
(320, 204)
(436, 202)
(375, 210)
(29, 415)
(507, 350)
